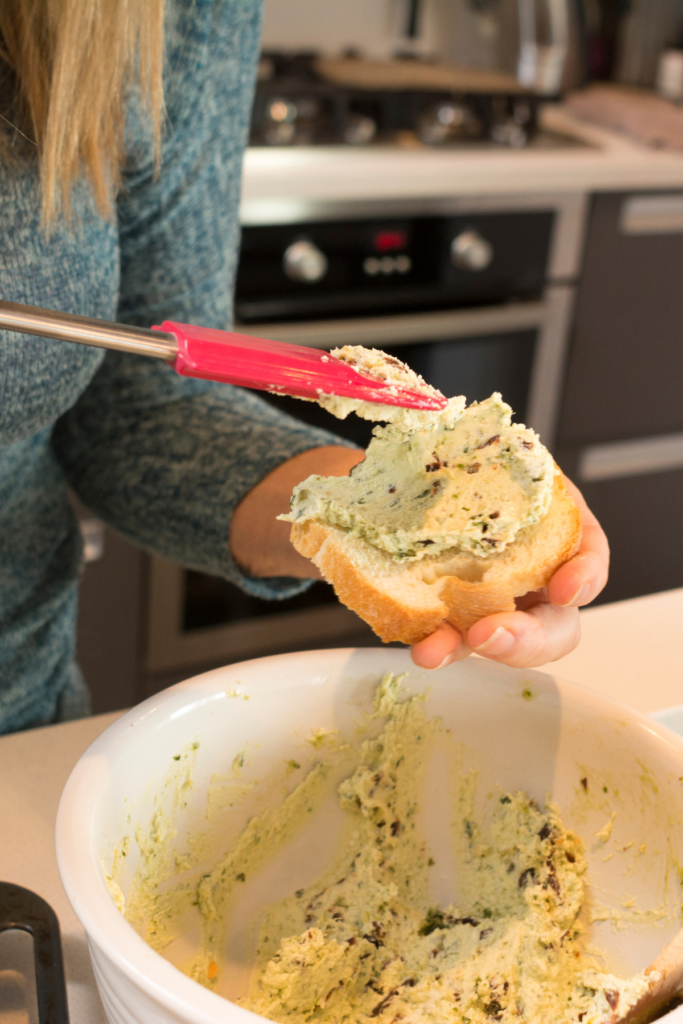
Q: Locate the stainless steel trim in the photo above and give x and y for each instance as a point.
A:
(49, 323)
(617, 459)
(566, 251)
(404, 329)
(549, 361)
(566, 246)
(541, 65)
(169, 648)
(652, 215)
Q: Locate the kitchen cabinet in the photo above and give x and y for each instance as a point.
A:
(620, 429)
(625, 370)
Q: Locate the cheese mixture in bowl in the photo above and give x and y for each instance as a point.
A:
(312, 838)
(363, 943)
(366, 941)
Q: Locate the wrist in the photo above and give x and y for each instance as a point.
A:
(259, 542)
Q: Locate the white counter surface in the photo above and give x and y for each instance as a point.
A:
(277, 181)
(630, 651)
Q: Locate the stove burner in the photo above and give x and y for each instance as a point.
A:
(296, 105)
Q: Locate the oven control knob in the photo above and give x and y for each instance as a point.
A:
(304, 261)
(470, 251)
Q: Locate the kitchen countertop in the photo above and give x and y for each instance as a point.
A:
(630, 651)
(283, 182)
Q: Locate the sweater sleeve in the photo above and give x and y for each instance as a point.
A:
(165, 459)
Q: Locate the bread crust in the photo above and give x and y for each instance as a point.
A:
(407, 601)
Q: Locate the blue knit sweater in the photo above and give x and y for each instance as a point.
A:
(163, 459)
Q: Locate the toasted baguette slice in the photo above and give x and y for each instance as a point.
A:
(407, 601)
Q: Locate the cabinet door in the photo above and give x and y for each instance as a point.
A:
(625, 370)
(640, 516)
(639, 509)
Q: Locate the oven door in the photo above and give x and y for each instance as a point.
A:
(517, 349)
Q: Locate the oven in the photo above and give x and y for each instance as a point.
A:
(476, 294)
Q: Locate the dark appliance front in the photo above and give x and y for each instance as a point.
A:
(348, 268)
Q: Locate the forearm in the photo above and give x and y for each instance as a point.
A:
(259, 542)
(167, 460)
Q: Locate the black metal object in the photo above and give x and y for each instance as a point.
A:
(320, 109)
(412, 23)
(23, 910)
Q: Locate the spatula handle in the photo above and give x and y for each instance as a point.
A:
(48, 323)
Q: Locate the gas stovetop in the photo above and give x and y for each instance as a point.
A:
(303, 99)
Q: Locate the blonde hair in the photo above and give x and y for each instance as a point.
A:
(73, 62)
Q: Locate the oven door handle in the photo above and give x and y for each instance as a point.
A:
(407, 328)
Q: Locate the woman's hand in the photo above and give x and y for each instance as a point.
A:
(546, 625)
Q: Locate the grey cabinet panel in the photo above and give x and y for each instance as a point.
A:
(111, 609)
(641, 517)
(625, 370)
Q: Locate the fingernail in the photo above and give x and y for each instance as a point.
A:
(500, 642)
(579, 597)
(448, 660)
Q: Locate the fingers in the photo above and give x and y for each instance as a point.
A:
(526, 639)
(547, 625)
(443, 647)
(581, 579)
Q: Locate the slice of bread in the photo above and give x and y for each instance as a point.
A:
(406, 601)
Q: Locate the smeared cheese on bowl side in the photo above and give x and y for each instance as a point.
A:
(468, 480)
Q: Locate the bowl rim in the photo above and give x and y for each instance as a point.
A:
(82, 874)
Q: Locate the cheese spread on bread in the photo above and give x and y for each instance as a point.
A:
(466, 480)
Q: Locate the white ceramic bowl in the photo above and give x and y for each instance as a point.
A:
(520, 729)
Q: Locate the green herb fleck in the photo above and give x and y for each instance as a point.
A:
(432, 921)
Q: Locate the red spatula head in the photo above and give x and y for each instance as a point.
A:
(284, 369)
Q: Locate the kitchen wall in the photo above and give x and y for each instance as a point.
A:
(457, 30)
(474, 33)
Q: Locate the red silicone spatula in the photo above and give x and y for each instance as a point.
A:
(222, 356)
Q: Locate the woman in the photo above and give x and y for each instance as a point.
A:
(124, 128)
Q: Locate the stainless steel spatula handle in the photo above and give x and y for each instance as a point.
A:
(87, 331)
(226, 357)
